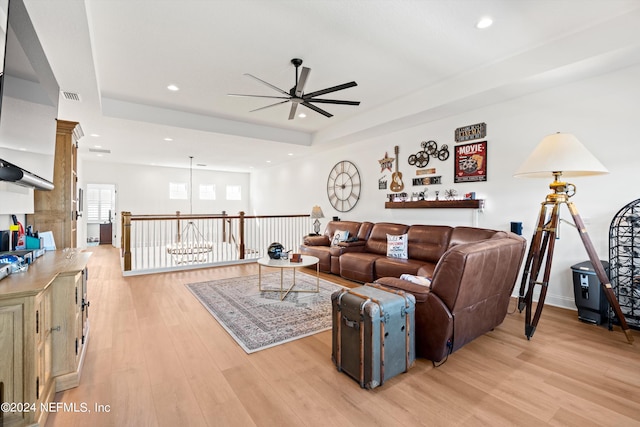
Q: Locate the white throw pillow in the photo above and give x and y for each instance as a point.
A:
(398, 246)
(339, 236)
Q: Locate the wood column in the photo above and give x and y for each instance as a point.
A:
(57, 210)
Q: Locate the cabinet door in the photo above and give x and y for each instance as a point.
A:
(11, 361)
(67, 303)
(43, 341)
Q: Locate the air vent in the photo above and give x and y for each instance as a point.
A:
(71, 96)
(99, 150)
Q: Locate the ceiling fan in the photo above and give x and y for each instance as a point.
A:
(297, 96)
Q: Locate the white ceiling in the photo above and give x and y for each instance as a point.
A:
(414, 61)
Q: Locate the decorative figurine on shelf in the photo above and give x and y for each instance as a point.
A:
(450, 194)
(423, 195)
(437, 193)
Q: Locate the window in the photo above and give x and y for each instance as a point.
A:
(100, 202)
(178, 190)
(234, 192)
(207, 192)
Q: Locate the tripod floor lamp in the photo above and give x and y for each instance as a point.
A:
(559, 155)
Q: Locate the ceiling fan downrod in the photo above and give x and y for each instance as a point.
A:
(297, 62)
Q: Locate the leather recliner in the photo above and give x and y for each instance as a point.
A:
(469, 294)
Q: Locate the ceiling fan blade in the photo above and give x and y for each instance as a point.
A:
(268, 84)
(269, 106)
(301, 81)
(316, 109)
(333, 101)
(329, 90)
(257, 96)
(292, 112)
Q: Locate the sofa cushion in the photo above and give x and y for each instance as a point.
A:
(397, 246)
(358, 266)
(461, 235)
(353, 227)
(395, 267)
(321, 240)
(377, 241)
(428, 242)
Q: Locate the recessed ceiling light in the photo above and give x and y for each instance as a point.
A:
(23, 149)
(290, 154)
(168, 139)
(98, 146)
(173, 88)
(268, 161)
(95, 135)
(485, 22)
(302, 115)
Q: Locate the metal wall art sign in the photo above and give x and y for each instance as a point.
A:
(426, 171)
(471, 162)
(382, 183)
(386, 162)
(429, 180)
(429, 149)
(471, 132)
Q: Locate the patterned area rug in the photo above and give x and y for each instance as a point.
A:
(259, 320)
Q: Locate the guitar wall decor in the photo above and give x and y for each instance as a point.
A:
(396, 178)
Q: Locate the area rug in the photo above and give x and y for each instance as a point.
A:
(259, 320)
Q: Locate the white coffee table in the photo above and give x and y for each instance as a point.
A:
(283, 264)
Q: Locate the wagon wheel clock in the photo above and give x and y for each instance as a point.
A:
(343, 186)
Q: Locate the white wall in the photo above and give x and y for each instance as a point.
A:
(144, 190)
(602, 112)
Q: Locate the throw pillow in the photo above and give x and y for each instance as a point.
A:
(397, 246)
(339, 236)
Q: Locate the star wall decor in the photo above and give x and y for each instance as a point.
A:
(386, 162)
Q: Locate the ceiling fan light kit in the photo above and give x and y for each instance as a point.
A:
(297, 96)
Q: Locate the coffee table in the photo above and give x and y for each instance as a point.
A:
(283, 264)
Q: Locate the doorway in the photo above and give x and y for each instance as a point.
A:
(101, 211)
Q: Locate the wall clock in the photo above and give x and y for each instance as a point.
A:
(343, 186)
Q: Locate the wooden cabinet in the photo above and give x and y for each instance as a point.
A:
(105, 233)
(57, 210)
(39, 320)
(25, 357)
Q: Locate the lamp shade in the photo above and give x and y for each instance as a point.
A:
(316, 212)
(560, 152)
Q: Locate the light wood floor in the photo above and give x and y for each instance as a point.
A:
(156, 357)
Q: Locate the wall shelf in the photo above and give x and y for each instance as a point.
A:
(430, 204)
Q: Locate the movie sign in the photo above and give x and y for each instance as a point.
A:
(471, 162)
(468, 133)
(430, 180)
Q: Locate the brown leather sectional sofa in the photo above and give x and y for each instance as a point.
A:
(473, 272)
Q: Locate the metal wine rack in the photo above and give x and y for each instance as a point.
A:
(624, 262)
